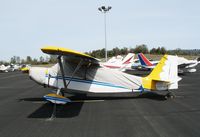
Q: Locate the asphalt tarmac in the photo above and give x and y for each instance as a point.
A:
(24, 113)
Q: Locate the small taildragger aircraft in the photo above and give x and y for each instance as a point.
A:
(83, 73)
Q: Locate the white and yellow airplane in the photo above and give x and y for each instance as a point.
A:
(81, 72)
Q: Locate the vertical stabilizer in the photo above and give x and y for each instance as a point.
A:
(143, 60)
(164, 76)
(128, 59)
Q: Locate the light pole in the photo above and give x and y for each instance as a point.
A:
(104, 9)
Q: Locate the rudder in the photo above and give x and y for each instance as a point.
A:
(143, 60)
(128, 59)
(164, 76)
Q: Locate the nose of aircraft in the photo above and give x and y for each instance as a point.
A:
(38, 74)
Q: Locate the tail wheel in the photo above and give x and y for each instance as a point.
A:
(170, 95)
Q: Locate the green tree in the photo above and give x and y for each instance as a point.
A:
(124, 51)
(23, 61)
(28, 59)
(13, 60)
(132, 50)
(153, 51)
(102, 53)
(116, 51)
(163, 50)
(35, 61)
(110, 53)
(141, 49)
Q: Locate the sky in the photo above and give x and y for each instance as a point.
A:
(28, 25)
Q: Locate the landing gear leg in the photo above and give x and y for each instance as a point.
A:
(60, 91)
(53, 115)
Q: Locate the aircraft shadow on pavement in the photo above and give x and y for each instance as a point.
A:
(73, 109)
(122, 96)
(62, 111)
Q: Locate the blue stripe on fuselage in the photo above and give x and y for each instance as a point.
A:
(89, 82)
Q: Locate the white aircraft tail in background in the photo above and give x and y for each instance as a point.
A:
(120, 63)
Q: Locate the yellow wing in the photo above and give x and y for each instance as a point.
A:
(65, 51)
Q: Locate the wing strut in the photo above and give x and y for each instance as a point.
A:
(62, 71)
(63, 74)
(76, 69)
(53, 115)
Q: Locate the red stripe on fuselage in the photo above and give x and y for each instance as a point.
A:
(128, 61)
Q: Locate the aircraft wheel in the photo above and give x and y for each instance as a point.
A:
(170, 95)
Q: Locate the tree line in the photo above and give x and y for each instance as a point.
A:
(29, 60)
(100, 53)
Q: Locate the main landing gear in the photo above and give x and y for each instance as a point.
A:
(59, 97)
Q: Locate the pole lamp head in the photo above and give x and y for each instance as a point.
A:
(103, 8)
(109, 7)
(99, 9)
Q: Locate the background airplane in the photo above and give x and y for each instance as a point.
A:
(9, 68)
(3, 68)
(184, 65)
(114, 59)
(119, 62)
(144, 63)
